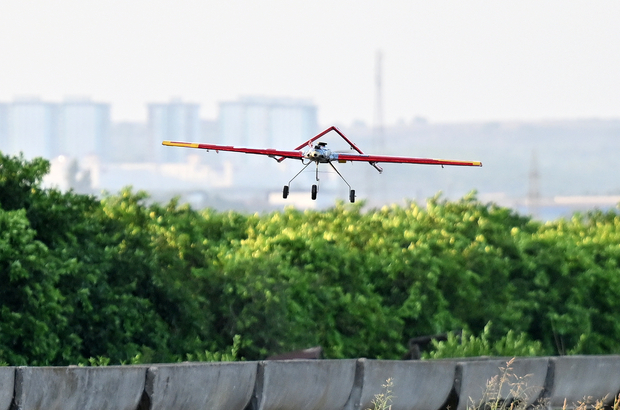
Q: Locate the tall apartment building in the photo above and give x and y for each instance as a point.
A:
(30, 127)
(83, 128)
(174, 121)
(267, 122)
(44, 129)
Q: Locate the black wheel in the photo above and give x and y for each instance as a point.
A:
(315, 189)
(285, 192)
(352, 195)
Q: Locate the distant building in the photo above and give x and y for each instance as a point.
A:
(83, 128)
(174, 121)
(209, 131)
(44, 129)
(267, 122)
(31, 128)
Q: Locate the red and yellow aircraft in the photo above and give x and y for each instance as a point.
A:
(320, 154)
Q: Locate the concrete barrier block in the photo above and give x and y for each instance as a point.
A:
(199, 386)
(7, 386)
(482, 380)
(304, 384)
(416, 385)
(579, 377)
(79, 388)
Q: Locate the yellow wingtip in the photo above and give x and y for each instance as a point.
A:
(179, 144)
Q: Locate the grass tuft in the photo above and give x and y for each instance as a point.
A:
(507, 391)
(382, 401)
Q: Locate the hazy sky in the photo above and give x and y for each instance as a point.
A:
(443, 60)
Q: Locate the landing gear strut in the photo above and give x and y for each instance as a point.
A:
(351, 191)
(286, 187)
(315, 187)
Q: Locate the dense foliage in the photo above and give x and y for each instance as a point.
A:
(124, 280)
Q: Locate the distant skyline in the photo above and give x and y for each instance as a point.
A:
(446, 61)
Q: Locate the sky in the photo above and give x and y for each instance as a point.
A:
(446, 61)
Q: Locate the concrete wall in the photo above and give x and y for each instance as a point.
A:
(311, 384)
(304, 384)
(521, 379)
(200, 386)
(413, 384)
(63, 388)
(579, 376)
(7, 386)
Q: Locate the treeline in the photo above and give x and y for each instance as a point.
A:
(125, 280)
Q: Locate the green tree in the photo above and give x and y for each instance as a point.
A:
(31, 307)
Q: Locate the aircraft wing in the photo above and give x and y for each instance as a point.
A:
(404, 160)
(259, 151)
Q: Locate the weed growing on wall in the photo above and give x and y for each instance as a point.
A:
(588, 403)
(507, 391)
(383, 400)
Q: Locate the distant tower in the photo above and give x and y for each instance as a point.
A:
(83, 127)
(377, 129)
(378, 120)
(32, 128)
(533, 192)
(175, 121)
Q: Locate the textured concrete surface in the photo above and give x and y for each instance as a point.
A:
(579, 377)
(303, 384)
(309, 384)
(416, 385)
(199, 386)
(79, 388)
(7, 385)
(481, 381)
